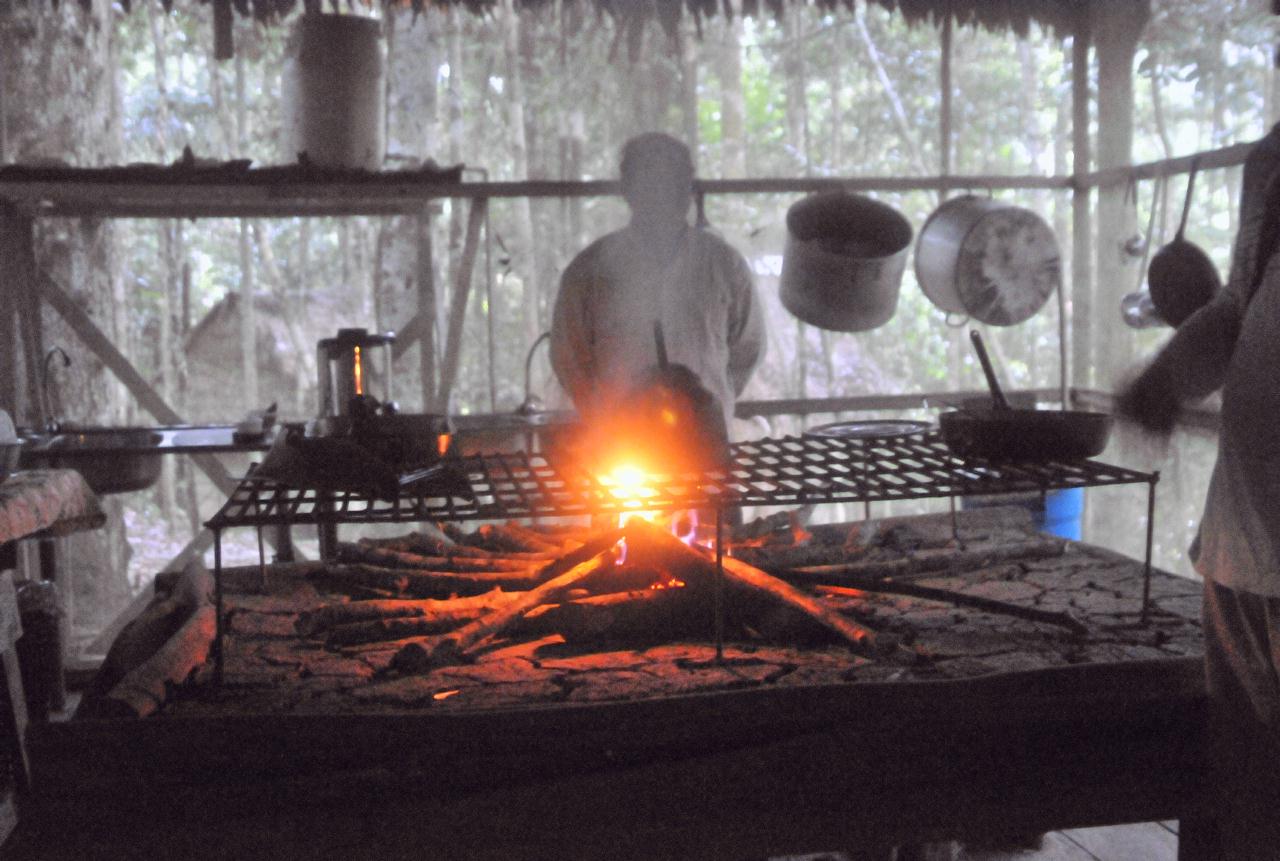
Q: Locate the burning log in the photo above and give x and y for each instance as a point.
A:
(388, 558)
(424, 584)
(568, 572)
(330, 616)
(961, 599)
(690, 564)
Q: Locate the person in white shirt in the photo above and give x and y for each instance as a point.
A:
(1233, 343)
(657, 269)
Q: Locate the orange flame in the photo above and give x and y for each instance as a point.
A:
(633, 486)
(359, 373)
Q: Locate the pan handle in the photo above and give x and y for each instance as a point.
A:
(997, 396)
(660, 344)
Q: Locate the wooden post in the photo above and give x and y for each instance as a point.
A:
(426, 310)
(1117, 27)
(458, 308)
(944, 82)
(17, 234)
(9, 349)
(1081, 220)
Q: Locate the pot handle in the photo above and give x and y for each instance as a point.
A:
(1186, 203)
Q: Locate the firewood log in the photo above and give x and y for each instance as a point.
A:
(961, 599)
(321, 619)
(144, 690)
(178, 595)
(920, 564)
(432, 542)
(402, 559)
(425, 584)
(403, 627)
(504, 539)
(541, 542)
(567, 573)
(688, 563)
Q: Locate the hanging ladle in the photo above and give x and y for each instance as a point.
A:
(1182, 278)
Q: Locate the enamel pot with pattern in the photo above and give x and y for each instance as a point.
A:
(980, 258)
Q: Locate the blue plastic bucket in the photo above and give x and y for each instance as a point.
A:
(1057, 512)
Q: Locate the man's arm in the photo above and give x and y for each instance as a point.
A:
(1193, 363)
(746, 323)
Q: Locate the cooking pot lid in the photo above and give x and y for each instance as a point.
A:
(873, 429)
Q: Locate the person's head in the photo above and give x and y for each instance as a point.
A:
(657, 179)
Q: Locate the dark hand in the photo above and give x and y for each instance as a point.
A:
(1150, 401)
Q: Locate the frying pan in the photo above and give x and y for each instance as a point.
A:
(1181, 276)
(1036, 436)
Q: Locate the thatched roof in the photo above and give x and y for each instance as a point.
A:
(1060, 16)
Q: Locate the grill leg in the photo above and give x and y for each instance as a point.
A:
(1146, 564)
(718, 591)
(217, 607)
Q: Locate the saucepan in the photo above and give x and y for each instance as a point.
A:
(1003, 433)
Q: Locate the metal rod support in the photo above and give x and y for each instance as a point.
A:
(218, 651)
(719, 585)
(1146, 562)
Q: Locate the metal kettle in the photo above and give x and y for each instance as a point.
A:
(354, 363)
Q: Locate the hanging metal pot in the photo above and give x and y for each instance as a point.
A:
(843, 262)
(988, 260)
(1182, 278)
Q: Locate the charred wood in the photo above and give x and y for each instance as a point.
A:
(636, 617)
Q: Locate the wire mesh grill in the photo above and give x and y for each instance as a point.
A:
(776, 472)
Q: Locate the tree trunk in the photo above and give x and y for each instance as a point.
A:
(1117, 27)
(795, 82)
(166, 348)
(522, 212)
(248, 318)
(1081, 218)
(688, 58)
(733, 111)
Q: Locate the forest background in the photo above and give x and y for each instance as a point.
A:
(551, 93)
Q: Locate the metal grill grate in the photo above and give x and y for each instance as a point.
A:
(786, 471)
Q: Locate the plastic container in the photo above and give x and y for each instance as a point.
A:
(1057, 512)
(334, 82)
